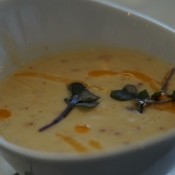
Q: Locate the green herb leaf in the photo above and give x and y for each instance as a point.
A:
(143, 95)
(80, 96)
(130, 89)
(143, 99)
(76, 88)
(173, 96)
(127, 93)
(121, 95)
(86, 99)
(156, 96)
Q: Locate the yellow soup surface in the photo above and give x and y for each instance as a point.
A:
(34, 95)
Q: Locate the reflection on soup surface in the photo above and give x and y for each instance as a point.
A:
(35, 95)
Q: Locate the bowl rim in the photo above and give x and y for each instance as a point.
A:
(66, 157)
(135, 13)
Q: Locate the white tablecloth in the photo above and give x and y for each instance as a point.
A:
(163, 10)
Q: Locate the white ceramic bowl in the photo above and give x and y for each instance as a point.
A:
(30, 27)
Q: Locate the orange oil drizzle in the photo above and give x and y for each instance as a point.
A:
(44, 76)
(155, 85)
(138, 75)
(4, 113)
(56, 78)
(95, 144)
(74, 143)
(170, 107)
(100, 73)
(82, 129)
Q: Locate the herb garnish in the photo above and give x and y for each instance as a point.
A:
(80, 96)
(143, 99)
(128, 92)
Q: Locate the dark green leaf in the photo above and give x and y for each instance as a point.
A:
(156, 96)
(88, 97)
(143, 99)
(173, 96)
(121, 95)
(76, 88)
(80, 97)
(88, 105)
(143, 95)
(131, 89)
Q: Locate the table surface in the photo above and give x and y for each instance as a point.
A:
(163, 11)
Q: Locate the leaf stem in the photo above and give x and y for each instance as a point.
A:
(166, 81)
(69, 107)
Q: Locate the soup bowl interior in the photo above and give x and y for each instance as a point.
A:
(31, 28)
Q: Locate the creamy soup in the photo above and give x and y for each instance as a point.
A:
(34, 95)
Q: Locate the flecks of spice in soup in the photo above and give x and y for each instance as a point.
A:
(34, 95)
